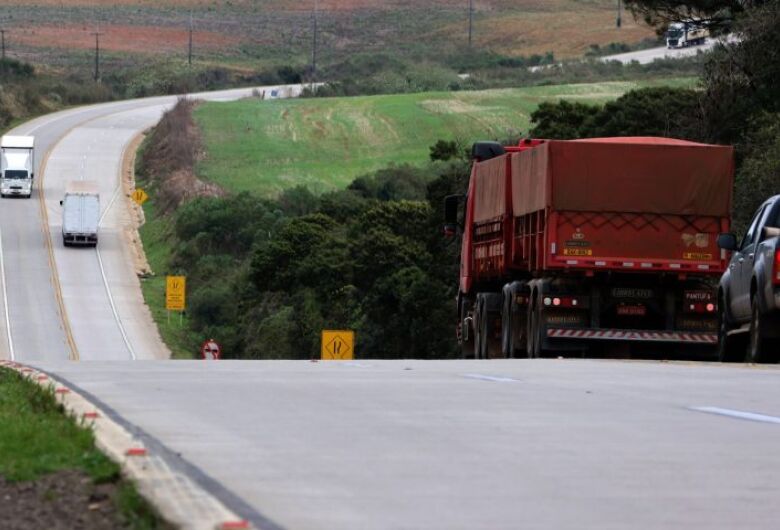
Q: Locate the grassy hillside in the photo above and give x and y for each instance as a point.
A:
(325, 143)
(252, 33)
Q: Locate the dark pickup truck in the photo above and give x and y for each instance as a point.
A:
(749, 292)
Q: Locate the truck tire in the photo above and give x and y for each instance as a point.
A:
(731, 348)
(488, 309)
(760, 348)
(513, 323)
(465, 306)
(533, 340)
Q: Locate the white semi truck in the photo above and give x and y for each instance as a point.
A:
(17, 164)
(80, 214)
(684, 34)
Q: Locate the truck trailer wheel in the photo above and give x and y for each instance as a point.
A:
(513, 322)
(761, 349)
(466, 314)
(488, 310)
(532, 329)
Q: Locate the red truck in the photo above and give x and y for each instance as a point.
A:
(568, 246)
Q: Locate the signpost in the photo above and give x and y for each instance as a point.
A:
(337, 345)
(175, 295)
(211, 350)
(140, 196)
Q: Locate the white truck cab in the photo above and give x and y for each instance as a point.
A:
(17, 163)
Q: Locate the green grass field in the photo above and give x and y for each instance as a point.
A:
(268, 146)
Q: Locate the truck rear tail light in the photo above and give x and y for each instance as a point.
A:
(776, 277)
(699, 302)
(565, 301)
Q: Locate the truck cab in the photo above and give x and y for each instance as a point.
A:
(17, 163)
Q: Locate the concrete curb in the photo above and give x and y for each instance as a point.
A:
(178, 499)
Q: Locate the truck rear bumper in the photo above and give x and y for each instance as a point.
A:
(684, 337)
(80, 239)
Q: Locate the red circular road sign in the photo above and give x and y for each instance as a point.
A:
(211, 350)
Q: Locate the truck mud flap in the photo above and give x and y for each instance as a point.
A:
(683, 337)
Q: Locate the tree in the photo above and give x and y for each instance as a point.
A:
(563, 120)
(719, 14)
(742, 79)
(660, 111)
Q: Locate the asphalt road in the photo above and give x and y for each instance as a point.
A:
(532, 444)
(377, 445)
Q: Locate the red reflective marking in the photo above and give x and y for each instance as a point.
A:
(136, 451)
(234, 524)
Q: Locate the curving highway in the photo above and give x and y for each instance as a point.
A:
(374, 444)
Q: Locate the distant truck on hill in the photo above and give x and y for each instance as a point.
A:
(17, 164)
(573, 245)
(80, 214)
(684, 34)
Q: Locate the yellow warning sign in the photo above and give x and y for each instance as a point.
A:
(140, 196)
(175, 293)
(338, 345)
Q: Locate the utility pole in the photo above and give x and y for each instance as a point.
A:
(619, 21)
(471, 21)
(314, 39)
(189, 52)
(97, 35)
(2, 40)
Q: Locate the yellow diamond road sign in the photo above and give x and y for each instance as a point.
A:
(175, 293)
(338, 345)
(140, 196)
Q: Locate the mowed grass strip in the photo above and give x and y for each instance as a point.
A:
(267, 146)
(37, 438)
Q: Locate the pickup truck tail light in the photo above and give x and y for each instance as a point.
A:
(776, 275)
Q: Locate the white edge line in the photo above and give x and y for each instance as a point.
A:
(113, 307)
(739, 414)
(103, 271)
(5, 301)
(494, 378)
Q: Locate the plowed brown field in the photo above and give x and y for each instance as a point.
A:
(117, 38)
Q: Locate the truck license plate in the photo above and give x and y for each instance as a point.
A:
(632, 310)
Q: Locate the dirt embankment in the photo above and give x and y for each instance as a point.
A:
(167, 165)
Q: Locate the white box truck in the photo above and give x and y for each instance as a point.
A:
(17, 163)
(80, 213)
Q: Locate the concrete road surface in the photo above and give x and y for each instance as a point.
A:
(548, 444)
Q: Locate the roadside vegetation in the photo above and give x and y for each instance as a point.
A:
(51, 474)
(270, 262)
